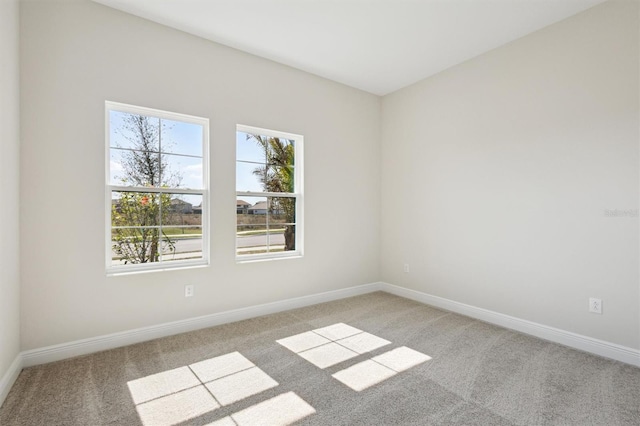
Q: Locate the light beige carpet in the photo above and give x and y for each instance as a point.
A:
(375, 359)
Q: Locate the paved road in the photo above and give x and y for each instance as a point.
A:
(188, 244)
(259, 240)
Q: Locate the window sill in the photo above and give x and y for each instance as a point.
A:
(116, 272)
(267, 258)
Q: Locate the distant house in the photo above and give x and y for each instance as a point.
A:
(242, 207)
(197, 209)
(259, 208)
(179, 206)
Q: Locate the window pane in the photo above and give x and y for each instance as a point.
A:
(250, 148)
(265, 224)
(251, 239)
(293, 148)
(182, 210)
(133, 131)
(290, 237)
(182, 172)
(249, 177)
(181, 138)
(134, 168)
(135, 245)
(251, 211)
(282, 210)
(117, 175)
(182, 243)
(242, 206)
(266, 164)
(258, 239)
(135, 209)
(281, 179)
(152, 154)
(283, 218)
(280, 151)
(276, 239)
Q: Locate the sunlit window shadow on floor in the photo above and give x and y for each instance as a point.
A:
(283, 409)
(184, 393)
(379, 368)
(332, 345)
(340, 342)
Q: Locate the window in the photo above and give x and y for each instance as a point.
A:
(268, 194)
(157, 197)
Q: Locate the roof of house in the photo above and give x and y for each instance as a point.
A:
(260, 205)
(242, 203)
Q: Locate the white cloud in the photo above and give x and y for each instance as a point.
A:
(115, 166)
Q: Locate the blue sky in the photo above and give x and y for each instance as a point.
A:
(182, 150)
(181, 146)
(248, 150)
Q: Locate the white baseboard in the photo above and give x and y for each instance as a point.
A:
(10, 377)
(567, 338)
(111, 341)
(115, 340)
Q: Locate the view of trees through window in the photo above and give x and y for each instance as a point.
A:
(267, 194)
(156, 181)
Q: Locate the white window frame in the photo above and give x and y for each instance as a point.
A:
(298, 194)
(204, 192)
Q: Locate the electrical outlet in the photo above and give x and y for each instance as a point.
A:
(595, 305)
(406, 268)
(188, 290)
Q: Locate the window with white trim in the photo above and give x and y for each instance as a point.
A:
(269, 201)
(156, 189)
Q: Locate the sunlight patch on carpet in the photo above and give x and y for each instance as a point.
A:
(282, 410)
(401, 359)
(363, 342)
(303, 341)
(364, 374)
(177, 408)
(220, 366)
(162, 384)
(327, 355)
(337, 331)
(337, 343)
(182, 394)
(239, 386)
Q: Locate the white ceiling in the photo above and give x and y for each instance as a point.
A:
(375, 45)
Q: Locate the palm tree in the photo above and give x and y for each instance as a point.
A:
(278, 176)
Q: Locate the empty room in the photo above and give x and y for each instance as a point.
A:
(436, 221)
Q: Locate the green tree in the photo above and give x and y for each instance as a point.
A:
(136, 216)
(278, 176)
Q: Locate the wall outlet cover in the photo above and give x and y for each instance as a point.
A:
(595, 305)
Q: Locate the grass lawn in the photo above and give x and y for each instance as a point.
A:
(186, 232)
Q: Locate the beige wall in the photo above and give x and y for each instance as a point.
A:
(9, 187)
(76, 55)
(496, 175)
